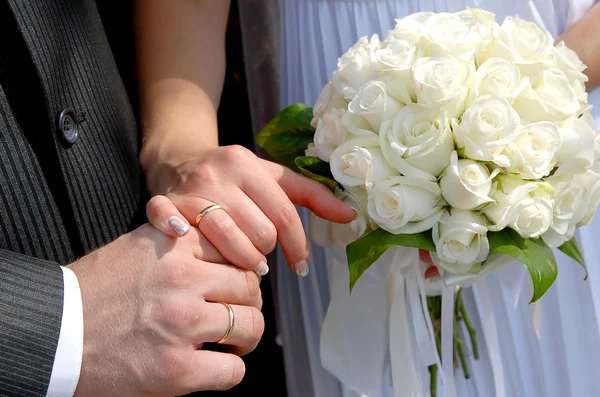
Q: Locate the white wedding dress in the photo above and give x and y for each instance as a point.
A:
(549, 349)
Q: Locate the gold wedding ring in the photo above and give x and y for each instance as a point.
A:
(231, 323)
(205, 211)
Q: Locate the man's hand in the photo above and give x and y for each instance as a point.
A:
(150, 301)
(258, 196)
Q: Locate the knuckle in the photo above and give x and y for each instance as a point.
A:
(220, 225)
(238, 370)
(183, 316)
(258, 325)
(172, 366)
(154, 206)
(287, 214)
(234, 153)
(176, 272)
(266, 238)
(259, 303)
(207, 173)
(252, 285)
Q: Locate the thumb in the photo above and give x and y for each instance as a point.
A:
(310, 194)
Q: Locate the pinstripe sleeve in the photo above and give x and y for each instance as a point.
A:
(31, 302)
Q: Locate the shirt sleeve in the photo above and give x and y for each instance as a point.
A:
(69, 351)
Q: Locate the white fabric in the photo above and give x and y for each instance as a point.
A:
(562, 361)
(69, 351)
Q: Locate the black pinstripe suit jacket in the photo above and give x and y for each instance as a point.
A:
(57, 202)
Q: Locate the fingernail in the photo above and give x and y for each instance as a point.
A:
(262, 268)
(301, 268)
(356, 214)
(178, 225)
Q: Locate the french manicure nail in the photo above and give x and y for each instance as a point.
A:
(262, 268)
(178, 225)
(301, 268)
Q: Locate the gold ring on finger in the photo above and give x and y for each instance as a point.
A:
(205, 211)
(231, 323)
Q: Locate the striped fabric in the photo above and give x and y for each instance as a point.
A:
(57, 203)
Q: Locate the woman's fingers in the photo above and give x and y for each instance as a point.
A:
(222, 231)
(310, 194)
(165, 217)
(252, 221)
(425, 256)
(274, 203)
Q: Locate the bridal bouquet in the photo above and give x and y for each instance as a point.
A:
(455, 135)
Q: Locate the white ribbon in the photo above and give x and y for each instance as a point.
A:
(490, 332)
(355, 322)
(448, 341)
(405, 372)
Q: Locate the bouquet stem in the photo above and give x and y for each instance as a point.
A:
(463, 314)
(434, 304)
(433, 369)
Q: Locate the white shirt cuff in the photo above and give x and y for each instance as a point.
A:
(69, 352)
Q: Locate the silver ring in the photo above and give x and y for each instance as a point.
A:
(205, 211)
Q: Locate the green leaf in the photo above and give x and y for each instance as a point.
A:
(363, 252)
(287, 136)
(317, 170)
(571, 249)
(533, 253)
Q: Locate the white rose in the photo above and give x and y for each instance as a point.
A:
(327, 101)
(443, 82)
(418, 142)
(359, 127)
(409, 27)
(467, 184)
(396, 57)
(330, 134)
(446, 33)
(525, 207)
(486, 129)
(403, 205)
(353, 164)
(581, 94)
(567, 60)
(311, 150)
(346, 233)
(499, 77)
(591, 180)
(484, 22)
(396, 54)
(460, 239)
(374, 104)
(356, 67)
(532, 153)
(578, 143)
(521, 42)
(549, 97)
(569, 208)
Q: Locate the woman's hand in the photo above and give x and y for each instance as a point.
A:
(257, 197)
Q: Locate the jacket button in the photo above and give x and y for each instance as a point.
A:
(68, 128)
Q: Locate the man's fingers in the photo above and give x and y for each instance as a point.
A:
(164, 216)
(310, 194)
(210, 370)
(248, 327)
(232, 285)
